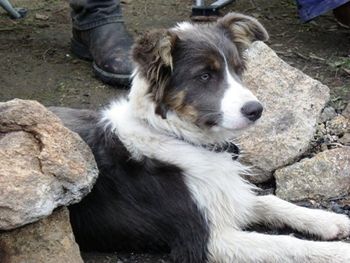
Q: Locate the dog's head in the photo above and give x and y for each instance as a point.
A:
(195, 71)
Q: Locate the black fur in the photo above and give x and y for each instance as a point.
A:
(134, 205)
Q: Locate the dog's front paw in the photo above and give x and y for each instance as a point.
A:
(333, 226)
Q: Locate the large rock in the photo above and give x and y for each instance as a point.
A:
(48, 241)
(292, 101)
(325, 176)
(43, 165)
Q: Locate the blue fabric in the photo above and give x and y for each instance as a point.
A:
(309, 9)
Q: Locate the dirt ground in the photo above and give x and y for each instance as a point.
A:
(36, 62)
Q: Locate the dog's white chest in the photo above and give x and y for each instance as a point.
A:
(212, 178)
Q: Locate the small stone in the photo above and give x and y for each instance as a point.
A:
(321, 130)
(335, 138)
(41, 17)
(49, 240)
(324, 147)
(337, 208)
(325, 176)
(345, 139)
(327, 114)
(338, 125)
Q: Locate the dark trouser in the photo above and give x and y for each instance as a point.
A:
(87, 14)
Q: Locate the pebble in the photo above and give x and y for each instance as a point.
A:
(41, 17)
(327, 114)
(339, 209)
(338, 125)
(345, 139)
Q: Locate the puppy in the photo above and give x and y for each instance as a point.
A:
(163, 183)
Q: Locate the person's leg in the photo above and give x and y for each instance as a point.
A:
(99, 34)
(88, 14)
(342, 14)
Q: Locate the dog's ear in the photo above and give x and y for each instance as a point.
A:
(152, 53)
(243, 29)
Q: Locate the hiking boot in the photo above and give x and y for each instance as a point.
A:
(108, 46)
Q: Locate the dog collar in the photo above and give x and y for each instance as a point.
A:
(229, 147)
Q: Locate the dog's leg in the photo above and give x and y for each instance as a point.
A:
(277, 212)
(249, 247)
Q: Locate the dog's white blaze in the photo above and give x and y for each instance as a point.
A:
(233, 100)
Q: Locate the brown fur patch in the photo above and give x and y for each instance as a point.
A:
(244, 29)
(177, 103)
(189, 112)
(214, 63)
(152, 52)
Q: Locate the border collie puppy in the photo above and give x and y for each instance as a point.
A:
(166, 181)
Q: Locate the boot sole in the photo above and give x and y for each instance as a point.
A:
(81, 51)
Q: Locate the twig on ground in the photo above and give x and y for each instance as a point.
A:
(45, 53)
(145, 8)
(301, 55)
(58, 10)
(313, 56)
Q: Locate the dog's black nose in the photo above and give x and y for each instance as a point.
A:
(252, 110)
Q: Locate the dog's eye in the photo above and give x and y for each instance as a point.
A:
(205, 77)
